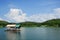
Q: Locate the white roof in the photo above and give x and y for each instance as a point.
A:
(11, 25)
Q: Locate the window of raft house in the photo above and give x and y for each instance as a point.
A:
(17, 25)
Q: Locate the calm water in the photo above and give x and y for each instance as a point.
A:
(35, 33)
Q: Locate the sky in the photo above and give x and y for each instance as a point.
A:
(29, 10)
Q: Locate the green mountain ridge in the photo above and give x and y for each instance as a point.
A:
(53, 22)
(3, 23)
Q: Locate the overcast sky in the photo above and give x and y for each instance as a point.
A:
(29, 10)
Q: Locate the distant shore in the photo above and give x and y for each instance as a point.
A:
(49, 23)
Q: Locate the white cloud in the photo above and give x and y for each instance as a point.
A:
(17, 15)
(44, 17)
(57, 10)
(41, 17)
(1, 19)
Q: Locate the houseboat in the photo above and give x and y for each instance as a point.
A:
(13, 27)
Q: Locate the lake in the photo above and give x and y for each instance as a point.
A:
(31, 33)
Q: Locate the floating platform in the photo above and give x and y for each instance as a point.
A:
(13, 30)
(13, 27)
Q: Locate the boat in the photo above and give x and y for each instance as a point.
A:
(13, 27)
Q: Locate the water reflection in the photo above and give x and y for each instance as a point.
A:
(13, 35)
(38, 33)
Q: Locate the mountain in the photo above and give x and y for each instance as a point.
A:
(53, 22)
(3, 23)
(30, 24)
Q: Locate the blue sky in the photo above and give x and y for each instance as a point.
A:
(29, 7)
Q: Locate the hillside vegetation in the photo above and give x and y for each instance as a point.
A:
(30, 24)
(3, 23)
(53, 22)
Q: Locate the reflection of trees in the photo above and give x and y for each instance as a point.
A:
(13, 35)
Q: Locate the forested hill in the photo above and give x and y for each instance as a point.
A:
(30, 24)
(53, 22)
(3, 23)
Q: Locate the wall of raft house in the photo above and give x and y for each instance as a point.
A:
(11, 25)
